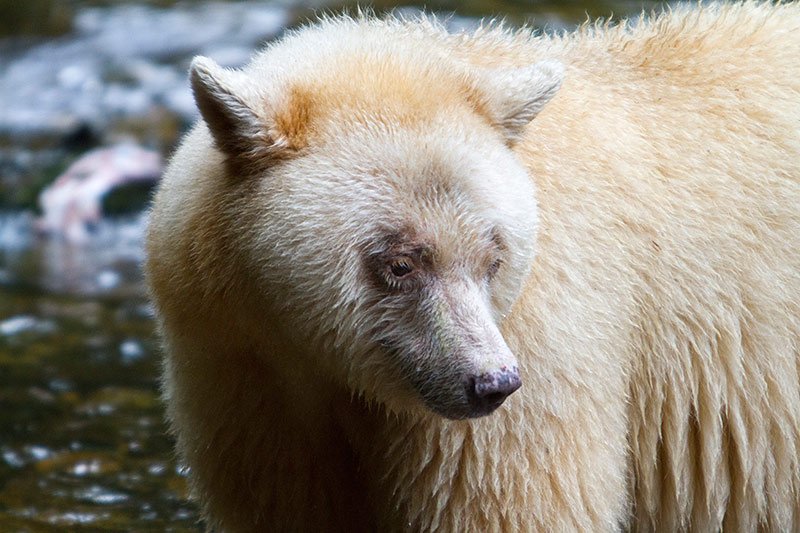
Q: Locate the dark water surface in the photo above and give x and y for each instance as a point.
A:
(83, 445)
(82, 439)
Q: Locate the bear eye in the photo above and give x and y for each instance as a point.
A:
(401, 267)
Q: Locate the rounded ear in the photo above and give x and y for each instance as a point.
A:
(517, 95)
(233, 124)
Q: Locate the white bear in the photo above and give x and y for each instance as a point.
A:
(380, 232)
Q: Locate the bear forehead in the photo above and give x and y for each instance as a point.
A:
(377, 90)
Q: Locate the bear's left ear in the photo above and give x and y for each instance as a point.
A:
(220, 95)
(517, 95)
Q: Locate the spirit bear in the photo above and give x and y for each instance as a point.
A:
(379, 232)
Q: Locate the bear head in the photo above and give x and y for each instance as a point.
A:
(383, 213)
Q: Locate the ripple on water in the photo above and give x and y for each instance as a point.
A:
(25, 323)
(106, 265)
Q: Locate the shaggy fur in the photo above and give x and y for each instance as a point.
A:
(652, 305)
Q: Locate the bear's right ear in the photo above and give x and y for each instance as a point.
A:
(237, 130)
(517, 95)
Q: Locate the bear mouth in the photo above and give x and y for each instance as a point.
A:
(467, 409)
(454, 391)
(468, 396)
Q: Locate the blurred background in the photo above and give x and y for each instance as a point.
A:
(93, 99)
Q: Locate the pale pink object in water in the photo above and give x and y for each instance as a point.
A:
(74, 200)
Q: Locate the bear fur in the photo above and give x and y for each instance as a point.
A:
(374, 212)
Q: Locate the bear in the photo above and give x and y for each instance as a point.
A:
(491, 280)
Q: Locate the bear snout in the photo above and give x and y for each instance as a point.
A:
(488, 391)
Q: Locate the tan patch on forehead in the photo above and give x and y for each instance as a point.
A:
(477, 101)
(294, 118)
(370, 89)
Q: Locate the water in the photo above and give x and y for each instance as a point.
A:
(82, 439)
(83, 445)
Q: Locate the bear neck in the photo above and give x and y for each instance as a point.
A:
(256, 438)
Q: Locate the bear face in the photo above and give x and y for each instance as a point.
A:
(429, 229)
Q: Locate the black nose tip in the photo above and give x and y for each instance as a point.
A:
(487, 391)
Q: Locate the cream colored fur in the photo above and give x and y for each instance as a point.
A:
(653, 304)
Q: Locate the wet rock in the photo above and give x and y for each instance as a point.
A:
(123, 60)
(18, 325)
(12, 458)
(108, 279)
(73, 203)
(131, 350)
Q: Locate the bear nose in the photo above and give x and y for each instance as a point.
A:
(487, 391)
